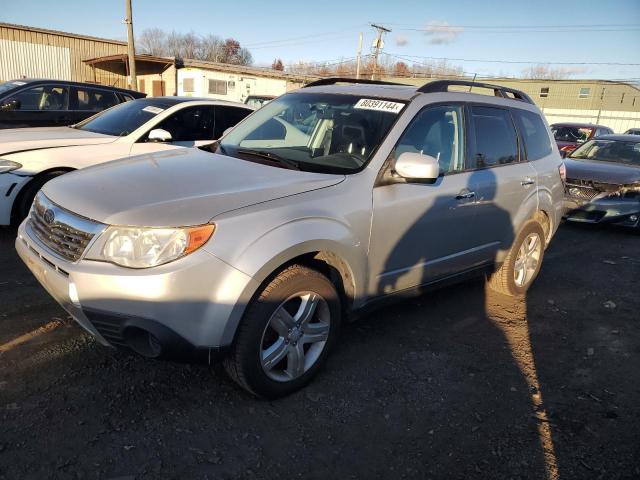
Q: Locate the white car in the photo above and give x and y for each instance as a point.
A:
(30, 157)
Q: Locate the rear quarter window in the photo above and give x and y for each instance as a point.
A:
(496, 142)
(534, 133)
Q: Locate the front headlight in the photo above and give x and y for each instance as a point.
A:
(8, 165)
(148, 247)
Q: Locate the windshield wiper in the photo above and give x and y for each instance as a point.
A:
(270, 156)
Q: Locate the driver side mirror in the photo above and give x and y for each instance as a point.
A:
(11, 104)
(159, 135)
(417, 167)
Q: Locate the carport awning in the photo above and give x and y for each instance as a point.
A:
(119, 64)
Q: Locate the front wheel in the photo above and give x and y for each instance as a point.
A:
(286, 333)
(522, 264)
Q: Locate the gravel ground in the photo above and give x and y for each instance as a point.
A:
(456, 384)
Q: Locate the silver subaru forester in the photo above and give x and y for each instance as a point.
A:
(329, 199)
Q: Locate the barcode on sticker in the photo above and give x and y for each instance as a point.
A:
(380, 105)
(152, 109)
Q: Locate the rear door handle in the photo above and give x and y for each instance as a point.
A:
(463, 195)
(527, 181)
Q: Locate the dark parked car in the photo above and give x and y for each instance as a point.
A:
(569, 136)
(52, 103)
(633, 131)
(603, 181)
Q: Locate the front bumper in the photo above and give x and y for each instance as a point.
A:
(198, 299)
(10, 186)
(607, 209)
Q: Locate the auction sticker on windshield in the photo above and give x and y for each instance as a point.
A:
(380, 105)
(152, 109)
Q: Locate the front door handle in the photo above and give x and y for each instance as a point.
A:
(527, 181)
(464, 195)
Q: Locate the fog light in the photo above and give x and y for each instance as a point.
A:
(73, 294)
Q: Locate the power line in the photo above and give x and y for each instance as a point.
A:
(291, 39)
(518, 61)
(511, 26)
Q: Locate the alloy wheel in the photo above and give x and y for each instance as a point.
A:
(527, 260)
(295, 336)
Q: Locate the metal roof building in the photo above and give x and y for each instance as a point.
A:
(28, 52)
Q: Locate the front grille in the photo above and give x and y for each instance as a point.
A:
(582, 193)
(64, 233)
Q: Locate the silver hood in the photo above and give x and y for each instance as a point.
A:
(178, 188)
(23, 139)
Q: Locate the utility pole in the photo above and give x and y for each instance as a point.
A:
(131, 46)
(600, 107)
(358, 56)
(377, 44)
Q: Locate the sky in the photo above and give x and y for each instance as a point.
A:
(481, 37)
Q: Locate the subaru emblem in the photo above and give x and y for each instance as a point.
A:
(49, 216)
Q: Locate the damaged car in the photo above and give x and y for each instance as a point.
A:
(603, 181)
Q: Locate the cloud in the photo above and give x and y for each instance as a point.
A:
(401, 41)
(440, 33)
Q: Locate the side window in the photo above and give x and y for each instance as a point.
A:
(92, 100)
(227, 117)
(187, 85)
(48, 97)
(217, 87)
(438, 132)
(190, 124)
(495, 137)
(534, 133)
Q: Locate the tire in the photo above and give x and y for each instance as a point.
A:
(265, 358)
(506, 279)
(25, 198)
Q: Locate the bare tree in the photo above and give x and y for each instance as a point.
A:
(211, 48)
(401, 69)
(152, 41)
(277, 65)
(540, 72)
(189, 45)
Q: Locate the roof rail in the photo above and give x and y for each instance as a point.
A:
(334, 80)
(498, 90)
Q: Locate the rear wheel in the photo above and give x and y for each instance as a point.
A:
(522, 264)
(286, 333)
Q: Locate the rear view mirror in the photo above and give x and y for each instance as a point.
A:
(417, 167)
(159, 135)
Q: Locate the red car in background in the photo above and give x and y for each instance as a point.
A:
(570, 136)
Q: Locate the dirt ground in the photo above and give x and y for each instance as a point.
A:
(455, 385)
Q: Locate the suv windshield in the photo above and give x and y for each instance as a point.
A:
(314, 131)
(609, 151)
(565, 133)
(123, 119)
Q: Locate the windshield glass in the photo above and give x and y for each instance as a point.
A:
(609, 151)
(9, 85)
(123, 119)
(314, 131)
(565, 133)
